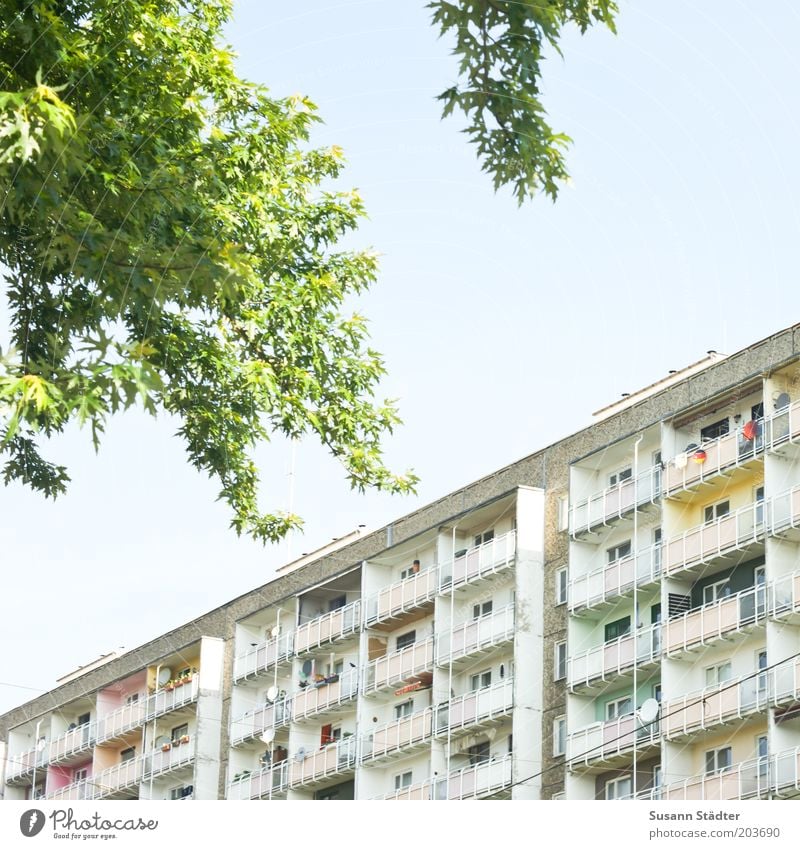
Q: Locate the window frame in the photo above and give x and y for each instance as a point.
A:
(714, 512)
(616, 782)
(406, 642)
(624, 633)
(560, 736)
(402, 710)
(717, 596)
(714, 754)
(480, 607)
(560, 660)
(612, 707)
(716, 669)
(479, 677)
(562, 584)
(402, 780)
(618, 552)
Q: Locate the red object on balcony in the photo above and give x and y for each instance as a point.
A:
(326, 736)
(699, 456)
(750, 430)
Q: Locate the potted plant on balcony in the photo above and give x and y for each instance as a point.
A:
(184, 738)
(166, 747)
(170, 685)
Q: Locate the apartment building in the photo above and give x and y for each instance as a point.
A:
(616, 616)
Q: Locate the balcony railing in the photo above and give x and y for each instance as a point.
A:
(480, 561)
(318, 697)
(476, 635)
(785, 594)
(402, 734)
(24, 762)
(725, 452)
(616, 501)
(785, 772)
(334, 759)
(783, 426)
(484, 705)
(714, 539)
(83, 789)
(399, 666)
(471, 782)
(615, 579)
(264, 784)
(614, 657)
(263, 656)
(785, 511)
(715, 620)
(328, 627)
(604, 740)
(254, 723)
(164, 701)
(402, 596)
(160, 762)
(715, 705)
(73, 742)
(785, 683)
(749, 779)
(119, 778)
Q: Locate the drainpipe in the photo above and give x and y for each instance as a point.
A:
(36, 751)
(635, 604)
(155, 703)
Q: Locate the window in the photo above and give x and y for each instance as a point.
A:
(563, 513)
(482, 609)
(561, 586)
(762, 751)
(657, 692)
(619, 707)
(716, 591)
(716, 511)
(486, 536)
(403, 780)
(180, 731)
(481, 680)
(620, 476)
(83, 719)
(404, 709)
(718, 760)
(617, 552)
(405, 640)
(182, 792)
(715, 430)
(619, 788)
(559, 735)
(80, 774)
(657, 776)
(560, 660)
(618, 628)
(480, 753)
(413, 569)
(336, 603)
(132, 699)
(719, 674)
(761, 680)
(127, 755)
(655, 614)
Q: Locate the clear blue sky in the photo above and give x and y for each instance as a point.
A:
(502, 328)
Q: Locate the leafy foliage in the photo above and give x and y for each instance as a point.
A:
(500, 44)
(169, 241)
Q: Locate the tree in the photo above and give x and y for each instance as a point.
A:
(170, 240)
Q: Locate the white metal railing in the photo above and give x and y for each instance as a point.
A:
(165, 701)
(785, 683)
(748, 779)
(121, 720)
(478, 562)
(401, 734)
(614, 579)
(159, 762)
(319, 696)
(335, 758)
(716, 704)
(22, 763)
(255, 722)
(401, 596)
(713, 456)
(118, 778)
(715, 619)
(399, 666)
(83, 789)
(784, 594)
(785, 772)
(73, 741)
(328, 627)
(785, 511)
(471, 782)
(261, 657)
(614, 502)
(702, 543)
(783, 426)
(614, 657)
(263, 784)
(479, 706)
(602, 740)
(475, 635)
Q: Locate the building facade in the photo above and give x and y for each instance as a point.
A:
(614, 616)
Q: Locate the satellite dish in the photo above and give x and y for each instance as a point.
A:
(275, 631)
(163, 740)
(307, 667)
(268, 736)
(40, 744)
(300, 755)
(164, 674)
(272, 694)
(782, 401)
(648, 712)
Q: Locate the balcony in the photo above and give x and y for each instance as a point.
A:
(402, 597)
(785, 773)
(326, 697)
(255, 723)
(482, 561)
(399, 737)
(602, 742)
(262, 657)
(717, 705)
(83, 789)
(785, 514)
(736, 531)
(404, 666)
(308, 768)
(329, 627)
(175, 758)
(748, 780)
(785, 596)
(476, 635)
(614, 658)
(615, 502)
(609, 583)
(271, 781)
(477, 709)
(785, 684)
(18, 766)
(73, 743)
(783, 426)
(734, 449)
(733, 615)
(490, 778)
(121, 721)
(118, 779)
